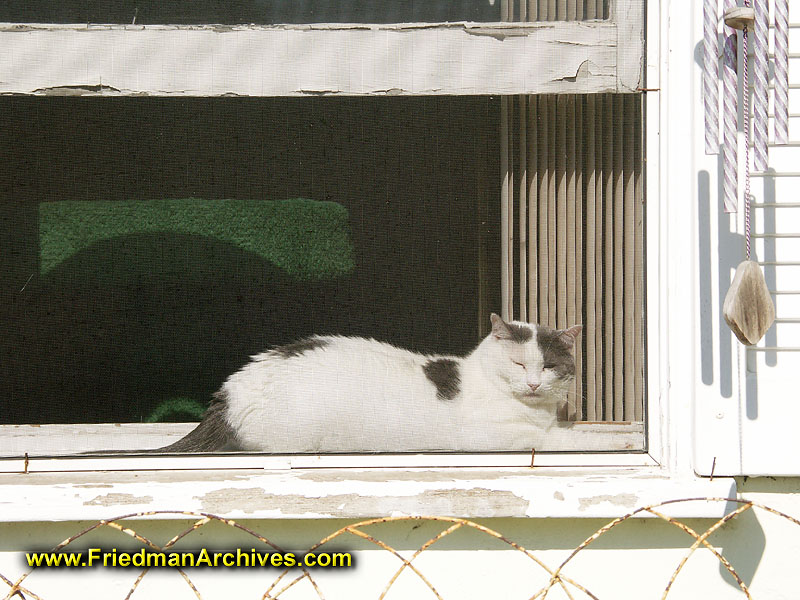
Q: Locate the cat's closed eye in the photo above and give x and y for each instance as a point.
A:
(549, 366)
(519, 363)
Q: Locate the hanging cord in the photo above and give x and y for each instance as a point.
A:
(746, 98)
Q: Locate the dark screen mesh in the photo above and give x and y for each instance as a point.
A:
(149, 246)
(189, 12)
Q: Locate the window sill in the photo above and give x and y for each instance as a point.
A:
(354, 493)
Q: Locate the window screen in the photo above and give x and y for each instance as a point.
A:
(150, 246)
(298, 11)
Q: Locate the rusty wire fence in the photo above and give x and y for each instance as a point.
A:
(556, 577)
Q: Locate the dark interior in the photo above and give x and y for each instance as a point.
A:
(191, 12)
(138, 319)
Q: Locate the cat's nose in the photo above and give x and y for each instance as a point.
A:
(534, 386)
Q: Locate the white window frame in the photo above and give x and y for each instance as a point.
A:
(327, 59)
(559, 483)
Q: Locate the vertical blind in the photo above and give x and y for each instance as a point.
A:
(572, 227)
(553, 10)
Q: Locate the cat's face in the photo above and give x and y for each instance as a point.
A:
(535, 362)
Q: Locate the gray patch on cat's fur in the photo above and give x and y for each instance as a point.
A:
(555, 352)
(300, 347)
(519, 333)
(212, 434)
(443, 373)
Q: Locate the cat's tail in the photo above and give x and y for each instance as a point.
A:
(212, 434)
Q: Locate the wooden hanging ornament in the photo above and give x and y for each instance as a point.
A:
(748, 309)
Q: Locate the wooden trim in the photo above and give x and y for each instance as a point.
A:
(629, 18)
(58, 448)
(299, 60)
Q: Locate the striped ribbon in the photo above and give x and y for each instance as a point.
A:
(711, 75)
(781, 71)
(760, 85)
(729, 119)
(746, 113)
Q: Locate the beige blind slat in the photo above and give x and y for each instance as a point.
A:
(619, 275)
(629, 270)
(553, 10)
(599, 356)
(571, 265)
(561, 201)
(590, 330)
(561, 10)
(544, 186)
(552, 240)
(506, 214)
(571, 10)
(578, 272)
(533, 10)
(576, 165)
(533, 209)
(608, 252)
(523, 209)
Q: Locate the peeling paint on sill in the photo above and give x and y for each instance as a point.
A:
(439, 502)
(625, 500)
(118, 499)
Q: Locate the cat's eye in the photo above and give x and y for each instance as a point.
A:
(549, 366)
(518, 363)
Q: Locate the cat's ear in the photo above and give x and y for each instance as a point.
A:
(568, 336)
(500, 329)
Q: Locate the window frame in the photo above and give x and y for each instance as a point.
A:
(285, 60)
(617, 56)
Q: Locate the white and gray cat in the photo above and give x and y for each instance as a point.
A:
(347, 394)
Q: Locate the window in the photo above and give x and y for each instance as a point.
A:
(388, 181)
